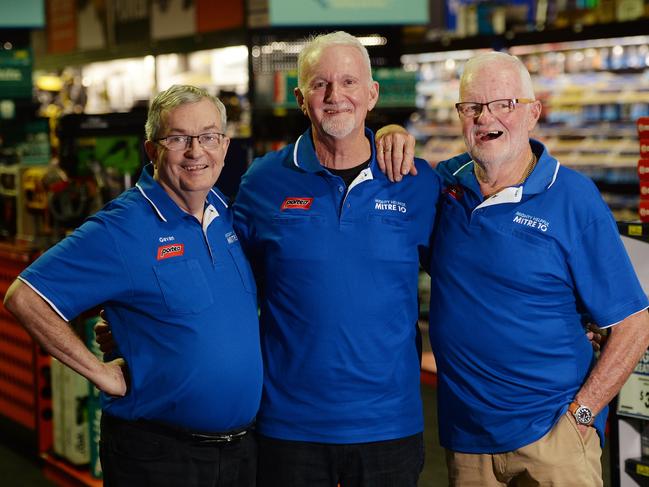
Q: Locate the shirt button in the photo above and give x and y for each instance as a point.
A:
(340, 189)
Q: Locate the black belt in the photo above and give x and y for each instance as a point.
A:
(177, 432)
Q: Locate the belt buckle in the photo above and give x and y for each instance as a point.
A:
(218, 439)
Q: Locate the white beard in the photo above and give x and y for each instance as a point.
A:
(338, 126)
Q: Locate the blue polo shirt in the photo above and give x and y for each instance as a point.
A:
(511, 276)
(339, 268)
(180, 299)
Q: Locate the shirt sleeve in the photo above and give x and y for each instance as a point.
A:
(604, 276)
(84, 270)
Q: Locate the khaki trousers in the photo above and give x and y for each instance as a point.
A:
(562, 458)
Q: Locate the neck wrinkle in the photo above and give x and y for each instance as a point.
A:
(493, 179)
(341, 153)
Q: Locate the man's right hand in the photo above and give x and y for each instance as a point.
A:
(104, 336)
(114, 379)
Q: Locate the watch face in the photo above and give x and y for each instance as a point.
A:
(583, 415)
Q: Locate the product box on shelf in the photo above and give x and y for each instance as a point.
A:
(94, 403)
(70, 416)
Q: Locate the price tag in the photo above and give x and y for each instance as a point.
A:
(633, 399)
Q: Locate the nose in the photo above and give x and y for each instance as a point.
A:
(193, 147)
(484, 113)
(332, 92)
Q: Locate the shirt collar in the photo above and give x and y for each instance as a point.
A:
(542, 178)
(161, 202)
(304, 155)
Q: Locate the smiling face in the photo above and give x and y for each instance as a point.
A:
(494, 140)
(189, 173)
(337, 92)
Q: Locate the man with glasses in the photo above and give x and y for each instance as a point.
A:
(165, 263)
(523, 248)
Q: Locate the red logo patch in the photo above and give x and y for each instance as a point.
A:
(456, 192)
(173, 250)
(296, 203)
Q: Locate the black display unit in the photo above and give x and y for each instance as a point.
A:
(629, 468)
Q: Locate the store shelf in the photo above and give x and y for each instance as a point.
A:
(66, 475)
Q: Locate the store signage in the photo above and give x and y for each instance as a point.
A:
(172, 19)
(644, 189)
(132, 20)
(644, 148)
(643, 169)
(61, 26)
(643, 210)
(633, 399)
(16, 73)
(643, 127)
(340, 12)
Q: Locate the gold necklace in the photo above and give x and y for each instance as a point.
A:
(528, 170)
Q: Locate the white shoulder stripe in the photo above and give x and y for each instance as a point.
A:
(58, 312)
(554, 176)
(137, 185)
(220, 199)
(462, 167)
(297, 143)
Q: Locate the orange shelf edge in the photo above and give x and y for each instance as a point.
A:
(66, 475)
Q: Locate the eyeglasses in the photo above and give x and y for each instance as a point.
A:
(473, 109)
(182, 142)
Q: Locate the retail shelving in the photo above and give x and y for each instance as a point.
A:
(592, 92)
(25, 393)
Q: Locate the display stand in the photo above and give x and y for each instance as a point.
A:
(631, 415)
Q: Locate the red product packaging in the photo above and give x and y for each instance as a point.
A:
(643, 210)
(644, 189)
(643, 169)
(643, 127)
(644, 148)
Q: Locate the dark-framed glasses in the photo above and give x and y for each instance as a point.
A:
(181, 142)
(473, 109)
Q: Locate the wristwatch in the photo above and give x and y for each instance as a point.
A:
(583, 414)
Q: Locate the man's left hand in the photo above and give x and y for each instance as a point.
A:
(395, 152)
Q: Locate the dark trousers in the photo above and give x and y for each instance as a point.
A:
(134, 454)
(393, 463)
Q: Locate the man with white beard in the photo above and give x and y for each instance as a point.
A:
(335, 247)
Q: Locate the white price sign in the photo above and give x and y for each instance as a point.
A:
(633, 399)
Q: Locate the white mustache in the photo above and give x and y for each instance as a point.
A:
(337, 108)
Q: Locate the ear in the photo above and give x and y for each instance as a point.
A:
(535, 114)
(151, 149)
(299, 97)
(374, 95)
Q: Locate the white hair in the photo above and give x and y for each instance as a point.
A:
(315, 46)
(477, 62)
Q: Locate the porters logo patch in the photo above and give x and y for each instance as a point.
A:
(293, 203)
(173, 250)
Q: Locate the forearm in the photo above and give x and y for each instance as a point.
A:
(51, 331)
(627, 342)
